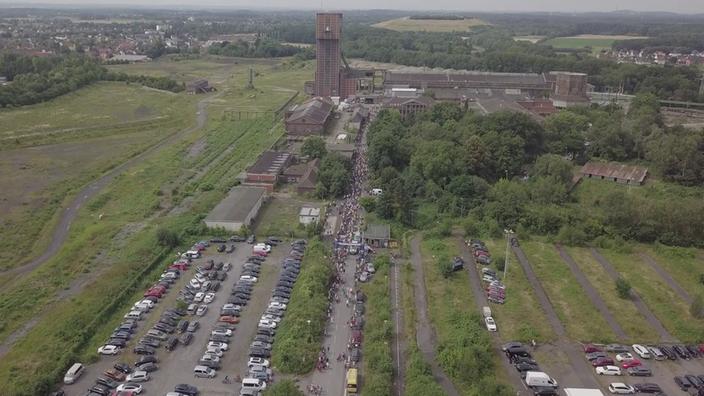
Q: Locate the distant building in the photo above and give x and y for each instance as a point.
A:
(309, 215)
(131, 58)
(311, 117)
(238, 209)
(377, 235)
(623, 174)
(198, 87)
(408, 106)
(294, 173)
(266, 171)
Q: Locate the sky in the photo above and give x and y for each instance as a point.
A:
(680, 6)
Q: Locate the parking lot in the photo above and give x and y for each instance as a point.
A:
(177, 366)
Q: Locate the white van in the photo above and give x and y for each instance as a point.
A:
(259, 249)
(538, 378)
(74, 373)
(253, 383)
(203, 372)
(193, 253)
(141, 307)
(376, 191)
(192, 309)
(134, 315)
(641, 351)
(157, 334)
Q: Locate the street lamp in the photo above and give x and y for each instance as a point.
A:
(508, 233)
(308, 330)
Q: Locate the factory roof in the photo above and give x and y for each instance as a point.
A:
(237, 205)
(315, 212)
(625, 172)
(478, 77)
(398, 102)
(378, 232)
(270, 162)
(314, 109)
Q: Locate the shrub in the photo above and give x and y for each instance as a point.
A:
(378, 333)
(283, 388)
(419, 378)
(571, 236)
(167, 238)
(623, 288)
(500, 262)
(445, 267)
(696, 308)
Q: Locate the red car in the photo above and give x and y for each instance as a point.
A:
(589, 348)
(198, 247)
(701, 348)
(478, 253)
(209, 265)
(153, 293)
(602, 361)
(496, 293)
(180, 266)
(631, 363)
(258, 253)
(159, 288)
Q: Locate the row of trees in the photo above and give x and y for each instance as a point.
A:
(261, 48)
(35, 80)
(463, 164)
(334, 170)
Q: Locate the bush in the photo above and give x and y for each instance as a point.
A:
(696, 308)
(571, 236)
(445, 267)
(283, 388)
(623, 288)
(167, 238)
(419, 378)
(376, 348)
(500, 262)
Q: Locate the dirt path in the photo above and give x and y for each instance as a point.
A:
(644, 310)
(425, 334)
(481, 301)
(592, 294)
(670, 281)
(69, 214)
(577, 361)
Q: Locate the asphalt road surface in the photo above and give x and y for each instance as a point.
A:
(670, 281)
(88, 192)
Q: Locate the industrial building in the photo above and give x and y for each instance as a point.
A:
(311, 117)
(266, 171)
(239, 208)
(624, 174)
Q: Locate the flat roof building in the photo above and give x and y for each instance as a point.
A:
(268, 167)
(377, 235)
(309, 215)
(239, 208)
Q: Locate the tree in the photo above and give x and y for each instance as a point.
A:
(508, 200)
(314, 147)
(623, 288)
(696, 308)
(437, 161)
(167, 238)
(284, 387)
(552, 165)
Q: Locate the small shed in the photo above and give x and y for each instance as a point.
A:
(624, 174)
(377, 235)
(309, 215)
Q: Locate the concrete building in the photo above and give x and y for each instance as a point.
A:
(408, 106)
(624, 174)
(377, 235)
(239, 208)
(328, 32)
(198, 87)
(266, 171)
(309, 215)
(311, 117)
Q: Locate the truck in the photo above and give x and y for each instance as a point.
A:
(539, 378)
(487, 312)
(582, 392)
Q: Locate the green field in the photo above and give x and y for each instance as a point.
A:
(596, 42)
(51, 149)
(430, 25)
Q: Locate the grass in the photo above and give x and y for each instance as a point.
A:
(408, 302)
(281, 218)
(532, 39)
(458, 325)
(520, 318)
(582, 320)
(596, 42)
(428, 25)
(683, 265)
(664, 302)
(78, 138)
(624, 311)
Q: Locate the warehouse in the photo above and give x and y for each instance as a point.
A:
(623, 174)
(239, 208)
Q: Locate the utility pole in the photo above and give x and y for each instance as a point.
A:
(508, 247)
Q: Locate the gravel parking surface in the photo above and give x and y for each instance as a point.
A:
(177, 366)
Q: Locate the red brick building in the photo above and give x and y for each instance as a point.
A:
(266, 171)
(311, 117)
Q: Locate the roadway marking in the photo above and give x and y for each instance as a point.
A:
(85, 197)
(78, 206)
(69, 225)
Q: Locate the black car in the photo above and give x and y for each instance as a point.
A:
(264, 338)
(221, 248)
(124, 329)
(274, 238)
(148, 367)
(240, 289)
(186, 389)
(171, 344)
(668, 352)
(218, 240)
(695, 381)
(256, 258)
(219, 338)
(280, 293)
(283, 282)
(164, 327)
(243, 285)
(123, 367)
(168, 321)
(215, 286)
(647, 387)
(271, 243)
(182, 326)
(514, 242)
(171, 315)
(250, 239)
(236, 300)
(266, 331)
(243, 296)
(118, 342)
(544, 391)
(149, 342)
(230, 312)
(683, 383)
(222, 276)
(100, 389)
(526, 367)
(219, 266)
(59, 392)
(639, 371)
(211, 364)
(681, 351)
(143, 350)
(107, 382)
(284, 288)
(145, 359)
(694, 351)
(276, 312)
(186, 338)
(121, 334)
(237, 238)
(259, 352)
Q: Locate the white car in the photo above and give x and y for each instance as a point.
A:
(619, 388)
(271, 317)
(227, 266)
(490, 324)
(624, 356)
(222, 332)
(138, 376)
(108, 350)
(370, 268)
(248, 278)
(214, 351)
(277, 305)
(130, 387)
(199, 297)
(194, 284)
(263, 246)
(270, 324)
(209, 297)
(150, 303)
(220, 345)
(200, 278)
(202, 310)
(232, 306)
(210, 357)
(253, 361)
(608, 370)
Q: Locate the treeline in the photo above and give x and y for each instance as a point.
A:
(261, 48)
(35, 80)
(460, 163)
(437, 17)
(676, 42)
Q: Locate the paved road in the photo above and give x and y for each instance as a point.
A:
(644, 310)
(577, 361)
(670, 281)
(480, 300)
(592, 294)
(425, 334)
(69, 214)
(400, 340)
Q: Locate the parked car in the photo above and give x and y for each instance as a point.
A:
(221, 248)
(108, 350)
(647, 388)
(595, 355)
(616, 348)
(631, 363)
(668, 352)
(143, 350)
(186, 338)
(186, 389)
(608, 370)
(639, 371)
(683, 383)
(130, 388)
(602, 361)
(201, 310)
(237, 238)
(619, 388)
(589, 348)
(138, 376)
(148, 367)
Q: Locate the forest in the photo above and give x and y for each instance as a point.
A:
(261, 48)
(36, 80)
(507, 170)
